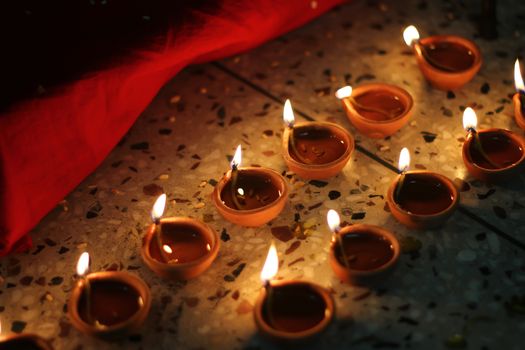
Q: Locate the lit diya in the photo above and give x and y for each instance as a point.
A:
(178, 248)
(421, 199)
(448, 62)
(250, 196)
(315, 150)
(24, 341)
(107, 304)
(290, 310)
(376, 110)
(361, 254)
(491, 155)
(519, 97)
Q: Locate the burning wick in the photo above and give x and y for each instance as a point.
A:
(518, 82)
(411, 37)
(235, 164)
(82, 269)
(156, 215)
(403, 165)
(289, 120)
(345, 95)
(269, 270)
(334, 223)
(470, 121)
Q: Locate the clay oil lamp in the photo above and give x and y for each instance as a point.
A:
(290, 311)
(108, 304)
(361, 254)
(519, 97)
(250, 196)
(315, 150)
(24, 341)
(448, 62)
(178, 248)
(421, 199)
(376, 110)
(491, 155)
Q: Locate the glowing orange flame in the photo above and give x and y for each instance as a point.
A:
(158, 208)
(271, 265)
(404, 160)
(470, 120)
(83, 264)
(288, 116)
(518, 78)
(333, 220)
(410, 34)
(344, 92)
(237, 157)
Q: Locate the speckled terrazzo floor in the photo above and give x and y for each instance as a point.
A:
(457, 286)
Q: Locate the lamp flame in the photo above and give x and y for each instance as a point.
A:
(237, 157)
(333, 220)
(410, 34)
(271, 265)
(83, 264)
(158, 208)
(518, 78)
(404, 160)
(344, 92)
(470, 120)
(288, 116)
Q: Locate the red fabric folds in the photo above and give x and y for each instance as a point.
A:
(49, 145)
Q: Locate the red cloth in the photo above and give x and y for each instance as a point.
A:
(49, 145)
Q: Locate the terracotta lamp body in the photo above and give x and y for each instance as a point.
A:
(295, 312)
(379, 110)
(192, 246)
(448, 62)
(519, 109)
(426, 199)
(371, 254)
(24, 341)
(264, 195)
(505, 150)
(320, 151)
(119, 304)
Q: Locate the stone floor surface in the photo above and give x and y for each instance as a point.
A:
(461, 286)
